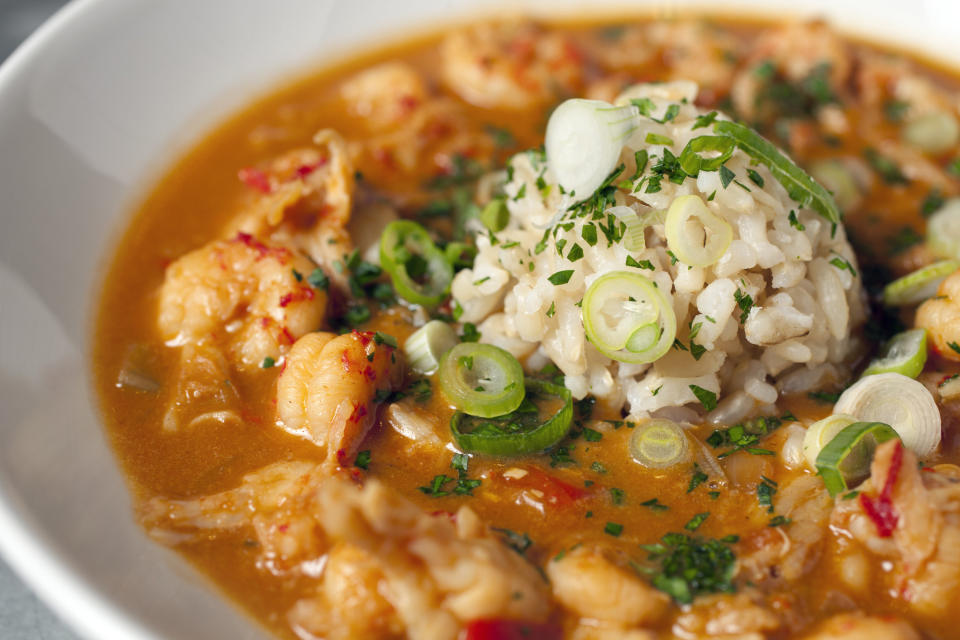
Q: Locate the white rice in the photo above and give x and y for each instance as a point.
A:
(795, 338)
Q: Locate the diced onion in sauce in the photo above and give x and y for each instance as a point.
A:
(899, 401)
(696, 235)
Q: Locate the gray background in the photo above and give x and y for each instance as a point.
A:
(22, 616)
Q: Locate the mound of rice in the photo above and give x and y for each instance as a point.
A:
(793, 333)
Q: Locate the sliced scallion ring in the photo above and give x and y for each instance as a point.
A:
(696, 235)
(634, 234)
(420, 272)
(845, 461)
(522, 431)
(583, 142)
(943, 230)
(425, 346)
(916, 287)
(693, 163)
(659, 444)
(905, 353)
(481, 379)
(627, 318)
(820, 433)
(899, 401)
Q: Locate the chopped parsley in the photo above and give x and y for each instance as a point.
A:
(726, 176)
(384, 338)
(613, 529)
(318, 279)
(765, 492)
(470, 333)
(362, 461)
(561, 277)
(698, 478)
(745, 302)
(598, 467)
(696, 521)
(705, 120)
(742, 436)
(640, 264)
(954, 346)
(777, 521)
(825, 397)
(755, 177)
(268, 363)
(843, 264)
(689, 566)
(794, 222)
(617, 496)
(519, 542)
(464, 485)
(706, 397)
(654, 505)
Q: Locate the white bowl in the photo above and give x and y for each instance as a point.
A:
(92, 109)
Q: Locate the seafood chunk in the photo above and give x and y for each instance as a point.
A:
(243, 293)
(330, 387)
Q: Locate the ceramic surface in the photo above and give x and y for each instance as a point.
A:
(92, 109)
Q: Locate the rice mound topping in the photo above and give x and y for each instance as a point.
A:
(774, 315)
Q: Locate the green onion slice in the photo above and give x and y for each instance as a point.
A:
(627, 318)
(845, 461)
(822, 432)
(901, 402)
(800, 186)
(521, 431)
(836, 176)
(943, 230)
(916, 287)
(905, 353)
(420, 271)
(696, 235)
(634, 235)
(693, 163)
(426, 346)
(659, 444)
(481, 379)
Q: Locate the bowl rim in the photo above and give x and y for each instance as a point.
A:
(47, 571)
(83, 608)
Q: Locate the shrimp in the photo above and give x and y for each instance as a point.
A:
(513, 65)
(349, 603)
(436, 572)
(241, 292)
(852, 626)
(913, 519)
(330, 387)
(591, 586)
(304, 200)
(940, 316)
(731, 617)
(273, 502)
(383, 96)
(790, 552)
